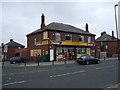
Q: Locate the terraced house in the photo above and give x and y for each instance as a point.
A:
(55, 40)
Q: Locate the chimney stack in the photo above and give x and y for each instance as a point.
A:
(103, 33)
(113, 35)
(42, 21)
(11, 40)
(86, 27)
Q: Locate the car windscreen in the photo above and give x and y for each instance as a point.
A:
(84, 57)
(15, 58)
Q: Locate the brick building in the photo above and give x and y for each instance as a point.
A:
(106, 45)
(12, 47)
(55, 40)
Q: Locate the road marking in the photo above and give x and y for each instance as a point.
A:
(104, 67)
(13, 83)
(67, 74)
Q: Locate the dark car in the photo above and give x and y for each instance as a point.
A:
(88, 60)
(17, 59)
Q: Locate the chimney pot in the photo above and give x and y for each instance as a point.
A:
(11, 40)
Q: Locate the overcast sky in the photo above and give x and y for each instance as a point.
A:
(21, 18)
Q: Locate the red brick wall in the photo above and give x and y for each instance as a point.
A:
(112, 47)
(11, 52)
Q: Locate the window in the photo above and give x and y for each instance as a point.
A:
(68, 37)
(45, 35)
(89, 39)
(57, 36)
(34, 41)
(106, 46)
(81, 38)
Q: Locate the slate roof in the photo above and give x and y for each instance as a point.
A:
(15, 44)
(62, 27)
(106, 37)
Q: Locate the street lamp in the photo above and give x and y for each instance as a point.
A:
(117, 32)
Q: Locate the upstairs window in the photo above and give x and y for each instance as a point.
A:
(34, 41)
(68, 37)
(57, 36)
(45, 35)
(89, 39)
(81, 38)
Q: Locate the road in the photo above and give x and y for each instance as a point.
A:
(71, 75)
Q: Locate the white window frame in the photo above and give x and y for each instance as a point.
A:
(45, 35)
(89, 39)
(57, 37)
(35, 41)
(70, 35)
(82, 37)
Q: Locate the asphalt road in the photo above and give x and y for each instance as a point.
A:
(72, 75)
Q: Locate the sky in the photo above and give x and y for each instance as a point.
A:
(22, 18)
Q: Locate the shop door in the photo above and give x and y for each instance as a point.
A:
(71, 53)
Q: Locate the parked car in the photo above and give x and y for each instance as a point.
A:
(17, 59)
(88, 60)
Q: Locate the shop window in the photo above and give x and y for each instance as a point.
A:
(89, 39)
(68, 37)
(57, 36)
(45, 35)
(81, 38)
(34, 41)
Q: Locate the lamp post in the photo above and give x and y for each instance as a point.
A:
(118, 48)
(3, 53)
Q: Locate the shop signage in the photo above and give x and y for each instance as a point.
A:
(55, 42)
(41, 43)
(90, 44)
(64, 43)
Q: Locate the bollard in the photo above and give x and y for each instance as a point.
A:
(65, 61)
(25, 63)
(2, 63)
(38, 62)
(52, 62)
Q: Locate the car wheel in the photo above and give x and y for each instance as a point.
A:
(13, 62)
(98, 62)
(87, 62)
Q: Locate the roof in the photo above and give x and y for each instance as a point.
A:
(106, 37)
(62, 27)
(13, 43)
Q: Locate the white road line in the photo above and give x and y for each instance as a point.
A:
(67, 73)
(13, 83)
(104, 67)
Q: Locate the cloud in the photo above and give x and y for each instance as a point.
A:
(20, 18)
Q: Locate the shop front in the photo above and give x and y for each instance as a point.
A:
(70, 50)
(71, 53)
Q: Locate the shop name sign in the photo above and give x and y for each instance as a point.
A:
(90, 44)
(64, 43)
(55, 42)
(41, 43)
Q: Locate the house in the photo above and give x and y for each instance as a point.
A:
(56, 40)
(107, 45)
(11, 48)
